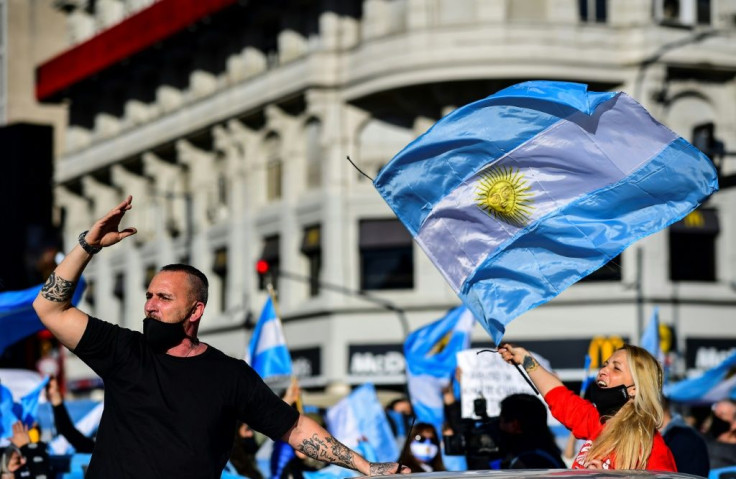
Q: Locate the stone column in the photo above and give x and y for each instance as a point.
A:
(169, 208)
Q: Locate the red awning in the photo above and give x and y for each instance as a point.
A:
(134, 34)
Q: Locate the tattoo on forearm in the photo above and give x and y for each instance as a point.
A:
(328, 449)
(383, 468)
(529, 363)
(57, 289)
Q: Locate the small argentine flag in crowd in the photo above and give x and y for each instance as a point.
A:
(650, 339)
(267, 352)
(431, 359)
(25, 410)
(716, 384)
(517, 196)
(360, 418)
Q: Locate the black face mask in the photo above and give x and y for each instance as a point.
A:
(162, 336)
(717, 427)
(607, 400)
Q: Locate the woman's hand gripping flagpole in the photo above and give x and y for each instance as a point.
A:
(544, 380)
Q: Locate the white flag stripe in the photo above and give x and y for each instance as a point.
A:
(271, 336)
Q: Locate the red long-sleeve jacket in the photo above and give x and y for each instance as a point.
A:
(582, 418)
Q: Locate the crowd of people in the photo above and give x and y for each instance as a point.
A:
(178, 407)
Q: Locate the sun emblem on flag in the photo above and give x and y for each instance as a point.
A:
(504, 194)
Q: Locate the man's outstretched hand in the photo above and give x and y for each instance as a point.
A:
(387, 468)
(105, 231)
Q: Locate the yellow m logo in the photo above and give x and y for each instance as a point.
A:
(601, 348)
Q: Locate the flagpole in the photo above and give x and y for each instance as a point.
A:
(272, 294)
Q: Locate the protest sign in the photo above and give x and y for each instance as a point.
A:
(488, 375)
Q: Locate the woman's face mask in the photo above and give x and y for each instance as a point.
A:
(423, 449)
(607, 400)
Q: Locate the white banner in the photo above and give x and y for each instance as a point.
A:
(487, 374)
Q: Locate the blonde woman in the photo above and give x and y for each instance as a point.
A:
(620, 422)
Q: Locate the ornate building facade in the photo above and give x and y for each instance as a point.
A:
(230, 122)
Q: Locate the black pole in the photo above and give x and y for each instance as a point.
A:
(388, 305)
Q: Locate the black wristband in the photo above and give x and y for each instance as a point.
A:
(86, 246)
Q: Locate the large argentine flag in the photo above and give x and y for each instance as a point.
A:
(713, 385)
(431, 358)
(267, 352)
(518, 196)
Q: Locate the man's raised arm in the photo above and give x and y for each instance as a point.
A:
(54, 303)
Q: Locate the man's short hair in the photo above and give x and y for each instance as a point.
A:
(197, 280)
(528, 410)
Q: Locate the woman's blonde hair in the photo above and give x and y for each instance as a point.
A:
(629, 434)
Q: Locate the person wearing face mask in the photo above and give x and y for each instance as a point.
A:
(423, 453)
(619, 418)
(243, 456)
(722, 434)
(171, 401)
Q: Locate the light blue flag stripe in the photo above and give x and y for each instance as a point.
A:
(7, 416)
(650, 337)
(29, 403)
(268, 354)
(419, 345)
(509, 118)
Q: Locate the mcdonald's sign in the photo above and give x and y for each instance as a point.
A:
(601, 348)
(694, 220)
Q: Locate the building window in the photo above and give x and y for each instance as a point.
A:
(693, 246)
(683, 12)
(593, 11)
(312, 249)
(219, 267)
(386, 255)
(270, 254)
(703, 12)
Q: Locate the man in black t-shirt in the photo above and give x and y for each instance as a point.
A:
(171, 401)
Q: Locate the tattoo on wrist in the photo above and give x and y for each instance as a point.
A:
(328, 449)
(529, 363)
(383, 468)
(57, 289)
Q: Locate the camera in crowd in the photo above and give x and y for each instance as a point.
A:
(478, 439)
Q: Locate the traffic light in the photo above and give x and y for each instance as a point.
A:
(264, 273)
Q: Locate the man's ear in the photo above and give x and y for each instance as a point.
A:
(197, 311)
